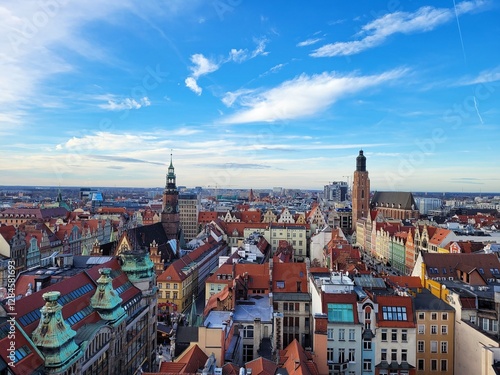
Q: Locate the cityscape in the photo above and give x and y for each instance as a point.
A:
(249, 187)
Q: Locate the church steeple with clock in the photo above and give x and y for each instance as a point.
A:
(170, 209)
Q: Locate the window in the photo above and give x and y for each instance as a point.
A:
(280, 284)
(444, 365)
(394, 335)
(340, 312)
(384, 335)
(434, 316)
(383, 354)
(421, 316)
(404, 335)
(494, 326)
(473, 319)
(394, 354)
(421, 346)
(486, 324)
(404, 355)
(367, 365)
(434, 346)
(352, 333)
(421, 365)
(367, 314)
(394, 312)
(421, 329)
(444, 330)
(341, 334)
(444, 346)
(444, 316)
(341, 355)
(248, 332)
(329, 333)
(434, 364)
(367, 344)
(175, 286)
(352, 353)
(329, 354)
(247, 352)
(434, 330)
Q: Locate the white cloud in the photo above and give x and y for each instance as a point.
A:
(308, 42)
(304, 96)
(238, 55)
(202, 65)
(230, 97)
(127, 103)
(491, 75)
(261, 48)
(193, 85)
(376, 32)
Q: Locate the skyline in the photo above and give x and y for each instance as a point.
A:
(250, 94)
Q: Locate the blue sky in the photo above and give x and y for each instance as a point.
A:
(250, 93)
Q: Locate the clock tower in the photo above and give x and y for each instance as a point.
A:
(170, 207)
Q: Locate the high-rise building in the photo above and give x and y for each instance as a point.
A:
(170, 217)
(336, 191)
(360, 190)
(189, 208)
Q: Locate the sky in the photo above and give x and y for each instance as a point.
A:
(250, 94)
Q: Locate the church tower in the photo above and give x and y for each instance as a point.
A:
(360, 190)
(170, 217)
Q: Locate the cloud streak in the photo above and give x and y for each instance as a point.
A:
(203, 65)
(303, 96)
(124, 104)
(376, 32)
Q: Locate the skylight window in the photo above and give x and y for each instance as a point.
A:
(394, 313)
(340, 312)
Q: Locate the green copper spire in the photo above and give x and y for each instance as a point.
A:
(53, 336)
(137, 265)
(106, 300)
(193, 316)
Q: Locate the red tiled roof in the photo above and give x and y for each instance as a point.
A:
(26, 365)
(194, 358)
(297, 361)
(7, 232)
(262, 366)
(290, 273)
(230, 369)
(406, 281)
(439, 236)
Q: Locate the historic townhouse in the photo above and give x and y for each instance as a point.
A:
(435, 334)
(291, 303)
(337, 328)
(395, 336)
(367, 313)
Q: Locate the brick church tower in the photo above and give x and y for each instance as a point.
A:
(170, 217)
(360, 190)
